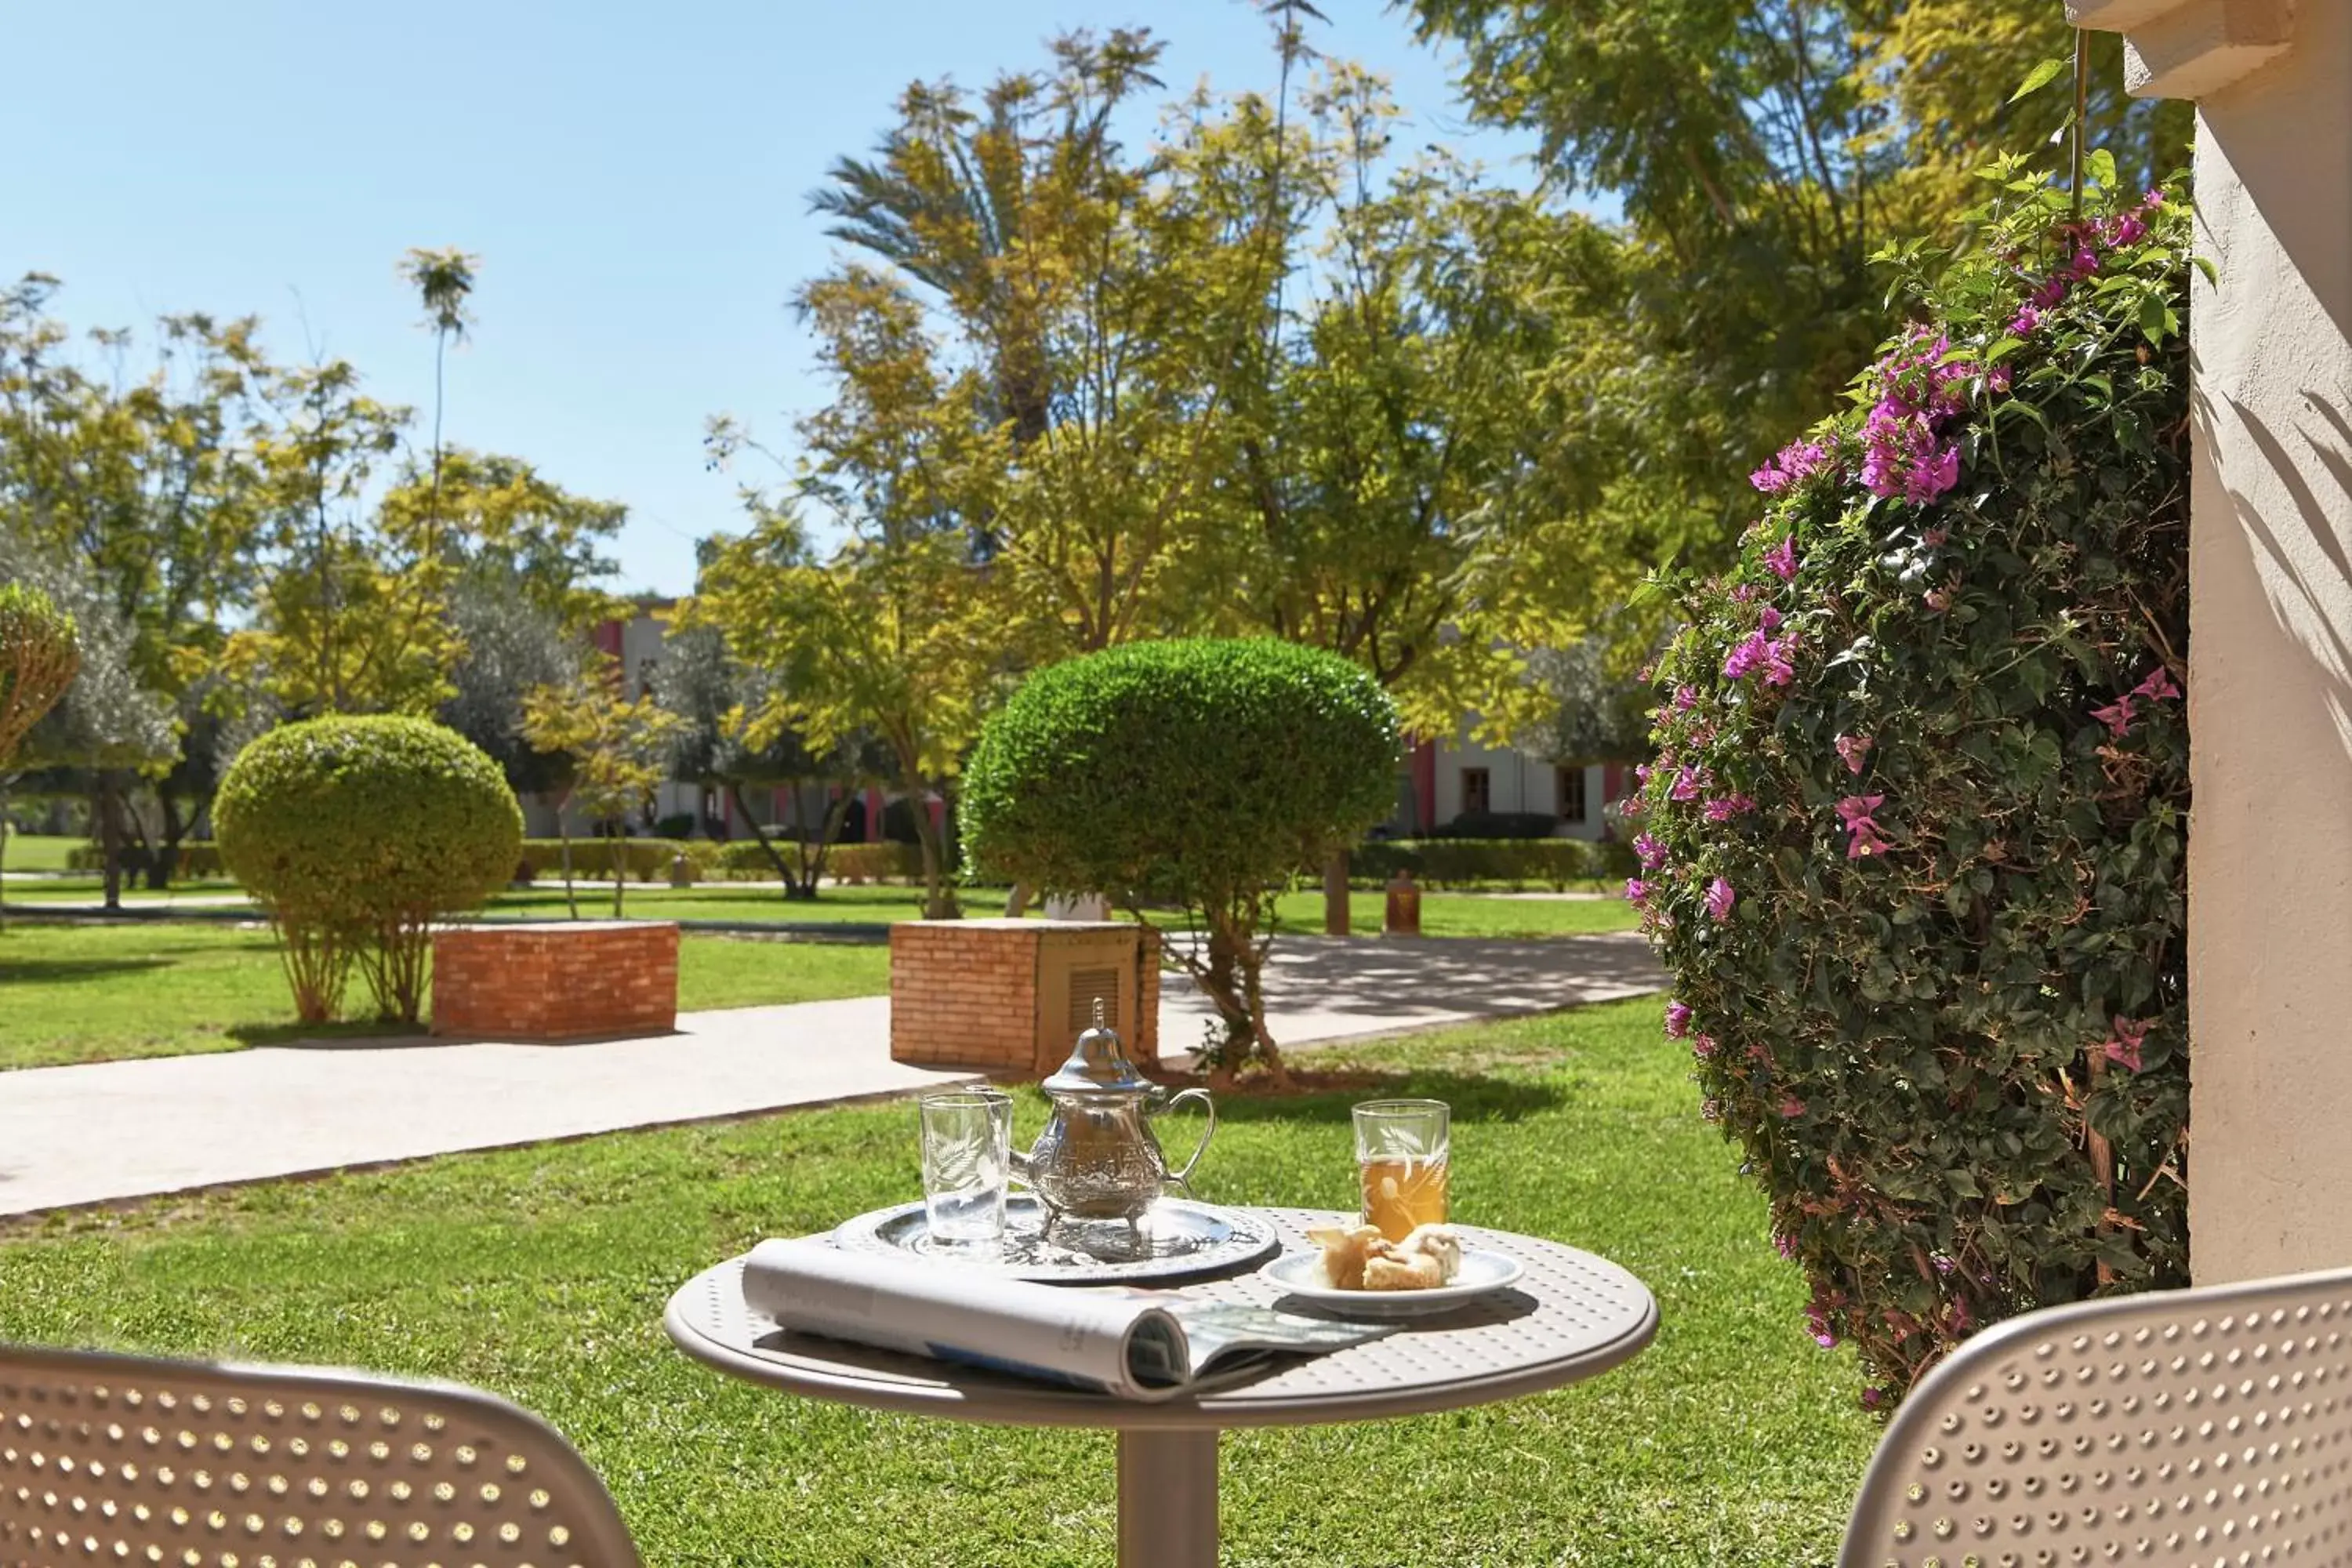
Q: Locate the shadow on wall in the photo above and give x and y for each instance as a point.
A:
(2308, 611)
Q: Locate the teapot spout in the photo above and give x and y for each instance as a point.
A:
(1021, 1166)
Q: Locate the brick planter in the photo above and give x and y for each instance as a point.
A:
(556, 982)
(1009, 997)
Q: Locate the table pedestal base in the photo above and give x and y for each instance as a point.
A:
(1168, 1500)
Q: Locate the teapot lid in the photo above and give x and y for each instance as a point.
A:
(1098, 1064)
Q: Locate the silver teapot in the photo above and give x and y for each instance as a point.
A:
(1096, 1159)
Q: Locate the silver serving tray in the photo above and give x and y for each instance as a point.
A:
(1174, 1240)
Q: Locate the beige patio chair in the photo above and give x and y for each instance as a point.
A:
(123, 1459)
(2206, 1427)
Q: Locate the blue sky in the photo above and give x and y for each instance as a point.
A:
(634, 177)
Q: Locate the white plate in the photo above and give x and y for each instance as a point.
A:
(1483, 1273)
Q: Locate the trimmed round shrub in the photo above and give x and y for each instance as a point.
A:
(357, 834)
(1912, 843)
(1203, 773)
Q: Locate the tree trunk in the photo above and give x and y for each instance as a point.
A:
(109, 837)
(620, 866)
(166, 862)
(1016, 902)
(4, 854)
(813, 860)
(563, 832)
(1335, 892)
(939, 899)
(767, 845)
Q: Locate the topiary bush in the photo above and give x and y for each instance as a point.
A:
(1912, 843)
(1201, 772)
(357, 834)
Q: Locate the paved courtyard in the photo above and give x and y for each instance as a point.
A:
(71, 1135)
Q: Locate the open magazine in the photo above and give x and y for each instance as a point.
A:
(1133, 1344)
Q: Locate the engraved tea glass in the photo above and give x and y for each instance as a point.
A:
(1400, 1151)
(967, 1157)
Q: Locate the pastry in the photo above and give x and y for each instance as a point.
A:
(1358, 1257)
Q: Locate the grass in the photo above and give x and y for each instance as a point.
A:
(1442, 914)
(99, 992)
(541, 1273)
(39, 851)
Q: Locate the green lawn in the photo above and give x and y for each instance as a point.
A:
(38, 851)
(1442, 914)
(541, 1273)
(95, 993)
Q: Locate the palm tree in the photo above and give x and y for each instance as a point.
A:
(443, 279)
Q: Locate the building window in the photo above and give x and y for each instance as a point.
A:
(1571, 794)
(1477, 793)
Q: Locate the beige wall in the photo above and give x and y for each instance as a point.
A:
(2269, 691)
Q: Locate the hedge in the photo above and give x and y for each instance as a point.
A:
(1914, 841)
(358, 833)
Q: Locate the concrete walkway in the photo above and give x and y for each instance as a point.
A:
(107, 1131)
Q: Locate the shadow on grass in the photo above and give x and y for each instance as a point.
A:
(56, 969)
(368, 1034)
(1474, 1098)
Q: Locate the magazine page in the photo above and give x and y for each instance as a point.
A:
(1108, 1341)
(1133, 1344)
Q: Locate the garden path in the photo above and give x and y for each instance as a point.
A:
(109, 1131)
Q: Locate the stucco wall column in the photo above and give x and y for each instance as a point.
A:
(2270, 689)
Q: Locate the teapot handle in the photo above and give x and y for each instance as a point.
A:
(1181, 1175)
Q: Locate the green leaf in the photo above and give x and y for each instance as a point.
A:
(2041, 76)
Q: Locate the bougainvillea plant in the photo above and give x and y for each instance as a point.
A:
(1913, 841)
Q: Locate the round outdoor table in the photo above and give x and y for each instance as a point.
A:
(1572, 1315)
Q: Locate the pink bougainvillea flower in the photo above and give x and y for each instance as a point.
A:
(2050, 295)
(1769, 618)
(1744, 658)
(1690, 782)
(1937, 600)
(1651, 853)
(2026, 321)
(1785, 1245)
(2127, 230)
(1999, 379)
(2086, 261)
(1781, 559)
(1858, 807)
(1720, 898)
(1872, 1398)
(2116, 716)
(1710, 1109)
(2157, 686)
(1725, 808)
(1685, 699)
(1932, 473)
(1769, 479)
(1678, 1018)
(1934, 538)
(1862, 839)
(1854, 749)
(1744, 594)
(1791, 1107)
(1703, 1044)
(2130, 1035)
(1779, 657)
(1637, 892)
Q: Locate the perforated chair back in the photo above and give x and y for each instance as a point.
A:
(123, 1459)
(2208, 1426)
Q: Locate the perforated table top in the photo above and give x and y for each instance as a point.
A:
(1572, 1315)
